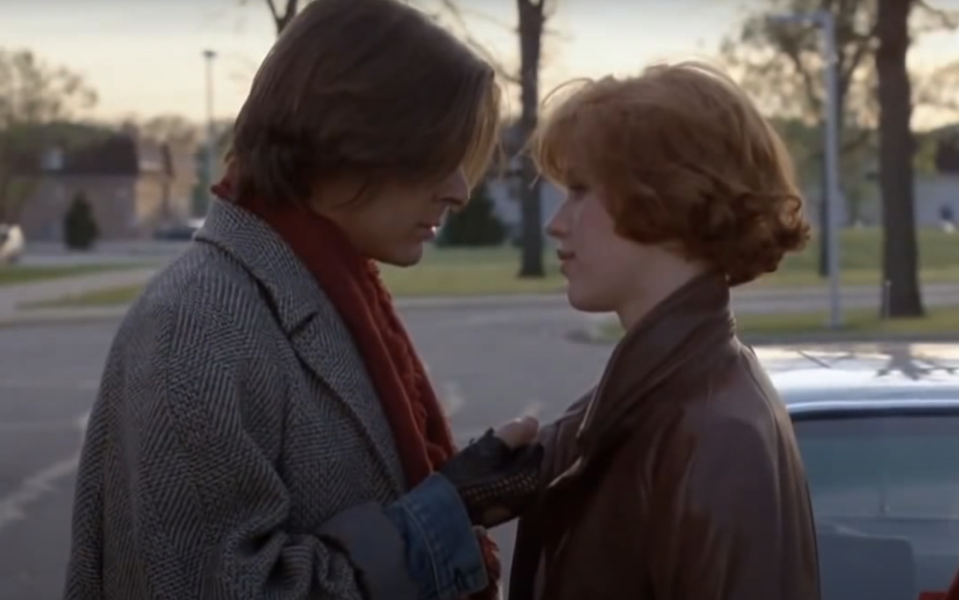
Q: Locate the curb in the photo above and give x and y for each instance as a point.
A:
(26, 318)
(47, 316)
(860, 338)
(499, 301)
(592, 335)
(589, 334)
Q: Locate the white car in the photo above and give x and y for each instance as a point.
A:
(878, 429)
(11, 243)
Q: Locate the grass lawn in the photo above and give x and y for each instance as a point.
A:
(470, 272)
(493, 271)
(16, 275)
(114, 296)
(861, 255)
(938, 321)
(475, 272)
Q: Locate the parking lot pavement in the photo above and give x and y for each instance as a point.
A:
(489, 365)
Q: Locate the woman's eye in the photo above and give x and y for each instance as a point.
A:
(577, 190)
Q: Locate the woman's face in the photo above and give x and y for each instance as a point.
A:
(392, 224)
(603, 270)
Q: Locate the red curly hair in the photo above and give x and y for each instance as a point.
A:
(683, 157)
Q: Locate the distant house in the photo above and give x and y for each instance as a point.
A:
(936, 190)
(134, 185)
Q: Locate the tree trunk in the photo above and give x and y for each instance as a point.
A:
(5, 201)
(900, 287)
(531, 18)
(12, 197)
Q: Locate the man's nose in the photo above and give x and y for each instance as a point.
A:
(456, 189)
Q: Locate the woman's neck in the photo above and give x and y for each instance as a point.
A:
(648, 295)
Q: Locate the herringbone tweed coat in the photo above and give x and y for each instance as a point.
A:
(233, 406)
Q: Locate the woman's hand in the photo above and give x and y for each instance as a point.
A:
(498, 474)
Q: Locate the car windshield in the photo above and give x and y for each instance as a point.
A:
(885, 492)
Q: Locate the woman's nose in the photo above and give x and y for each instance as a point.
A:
(556, 226)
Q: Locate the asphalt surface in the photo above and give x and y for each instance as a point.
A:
(489, 364)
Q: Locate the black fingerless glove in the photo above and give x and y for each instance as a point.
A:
(495, 481)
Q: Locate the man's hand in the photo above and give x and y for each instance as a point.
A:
(498, 474)
(518, 432)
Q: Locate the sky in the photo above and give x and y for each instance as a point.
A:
(145, 57)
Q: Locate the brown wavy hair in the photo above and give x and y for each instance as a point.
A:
(373, 87)
(683, 158)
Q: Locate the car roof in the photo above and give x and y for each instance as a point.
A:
(848, 374)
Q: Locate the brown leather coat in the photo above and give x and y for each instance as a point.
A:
(678, 479)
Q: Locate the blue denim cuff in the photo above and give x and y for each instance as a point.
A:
(443, 553)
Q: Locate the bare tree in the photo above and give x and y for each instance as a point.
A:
(781, 66)
(450, 13)
(900, 260)
(37, 101)
(532, 18)
(175, 130)
(282, 19)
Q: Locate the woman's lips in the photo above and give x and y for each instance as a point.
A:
(565, 256)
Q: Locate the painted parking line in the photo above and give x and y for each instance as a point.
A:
(36, 426)
(15, 385)
(13, 506)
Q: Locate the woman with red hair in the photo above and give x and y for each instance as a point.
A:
(679, 476)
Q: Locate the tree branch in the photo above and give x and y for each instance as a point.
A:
(272, 6)
(791, 47)
(942, 18)
(455, 12)
(281, 21)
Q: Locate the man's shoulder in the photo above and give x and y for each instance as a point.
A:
(200, 293)
(202, 276)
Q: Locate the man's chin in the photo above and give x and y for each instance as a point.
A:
(407, 256)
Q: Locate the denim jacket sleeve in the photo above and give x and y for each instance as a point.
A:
(443, 552)
(420, 547)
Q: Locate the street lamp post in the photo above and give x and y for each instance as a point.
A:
(824, 20)
(210, 158)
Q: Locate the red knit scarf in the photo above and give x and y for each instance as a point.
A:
(951, 594)
(352, 282)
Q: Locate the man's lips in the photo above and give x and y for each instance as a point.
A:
(427, 231)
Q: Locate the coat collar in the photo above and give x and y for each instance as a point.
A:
(261, 251)
(675, 343)
(318, 335)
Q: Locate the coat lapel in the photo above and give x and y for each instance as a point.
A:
(307, 316)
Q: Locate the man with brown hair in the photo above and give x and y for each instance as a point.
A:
(265, 428)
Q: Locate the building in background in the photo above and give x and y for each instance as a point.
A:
(133, 185)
